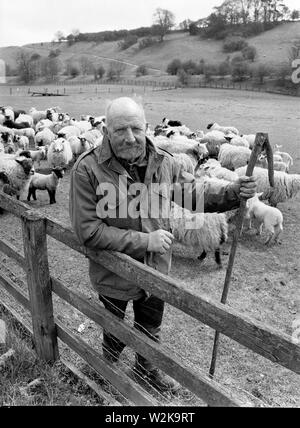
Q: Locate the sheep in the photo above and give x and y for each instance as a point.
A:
(24, 118)
(14, 125)
(68, 131)
(22, 142)
(44, 137)
(278, 165)
(196, 151)
(37, 115)
(17, 113)
(286, 186)
(250, 138)
(269, 217)
(44, 123)
(236, 140)
(91, 136)
(39, 155)
(185, 161)
(28, 132)
(78, 145)
(225, 129)
(59, 153)
(9, 131)
(202, 231)
(167, 122)
(213, 168)
(286, 157)
(2, 118)
(82, 125)
(47, 182)
(18, 170)
(233, 157)
(8, 111)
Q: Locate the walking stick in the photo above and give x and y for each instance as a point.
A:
(261, 143)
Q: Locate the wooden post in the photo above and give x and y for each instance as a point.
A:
(39, 285)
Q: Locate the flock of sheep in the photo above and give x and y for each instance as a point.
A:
(218, 155)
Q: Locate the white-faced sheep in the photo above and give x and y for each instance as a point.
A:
(286, 185)
(44, 123)
(59, 153)
(78, 145)
(18, 170)
(82, 125)
(39, 154)
(47, 182)
(269, 217)
(278, 165)
(236, 140)
(196, 151)
(213, 168)
(226, 129)
(202, 231)
(233, 157)
(286, 157)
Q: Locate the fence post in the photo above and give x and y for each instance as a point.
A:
(39, 285)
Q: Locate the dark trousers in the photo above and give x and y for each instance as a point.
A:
(148, 315)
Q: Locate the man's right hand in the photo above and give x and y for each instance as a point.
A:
(160, 241)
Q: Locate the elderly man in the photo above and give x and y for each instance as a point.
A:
(107, 174)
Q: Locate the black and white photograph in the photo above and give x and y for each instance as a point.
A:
(150, 206)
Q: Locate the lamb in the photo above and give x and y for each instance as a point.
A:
(233, 157)
(278, 165)
(78, 145)
(44, 137)
(47, 182)
(22, 142)
(202, 231)
(225, 129)
(18, 170)
(286, 185)
(59, 153)
(269, 217)
(39, 155)
(286, 157)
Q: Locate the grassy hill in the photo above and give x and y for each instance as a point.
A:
(272, 47)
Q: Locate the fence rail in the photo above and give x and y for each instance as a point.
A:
(91, 86)
(262, 339)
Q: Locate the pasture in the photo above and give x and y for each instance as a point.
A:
(265, 281)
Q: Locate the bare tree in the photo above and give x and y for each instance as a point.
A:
(59, 36)
(24, 66)
(165, 20)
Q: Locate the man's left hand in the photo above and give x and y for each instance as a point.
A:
(247, 187)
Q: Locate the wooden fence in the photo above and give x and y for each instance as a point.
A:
(46, 329)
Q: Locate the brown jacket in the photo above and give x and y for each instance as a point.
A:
(96, 229)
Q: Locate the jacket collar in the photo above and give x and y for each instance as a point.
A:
(106, 154)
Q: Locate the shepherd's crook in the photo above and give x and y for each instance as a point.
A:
(261, 142)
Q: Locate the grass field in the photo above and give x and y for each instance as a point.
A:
(265, 282)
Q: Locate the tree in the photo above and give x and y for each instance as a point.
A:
(59, 36)
(295, 14)
(99, 72)
(115, 70)
(249, 52)
(165, 20)
(141, 70)
(174, 66)
(24, 66)
(261, 71)
(85, 65)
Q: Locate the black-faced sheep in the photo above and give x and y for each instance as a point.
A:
(47, 182)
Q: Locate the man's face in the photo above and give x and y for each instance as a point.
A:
(126, 132)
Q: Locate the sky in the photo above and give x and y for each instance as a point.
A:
(33, 21)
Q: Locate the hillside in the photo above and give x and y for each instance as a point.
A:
(272, 47)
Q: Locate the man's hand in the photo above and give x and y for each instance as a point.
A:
(160, 241)
(246, 187)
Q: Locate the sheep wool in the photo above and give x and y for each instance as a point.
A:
(59, 153)
(202, 231)
(18, 169)
(286, 185)
(233, 157)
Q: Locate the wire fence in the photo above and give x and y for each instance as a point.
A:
(61, 88)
